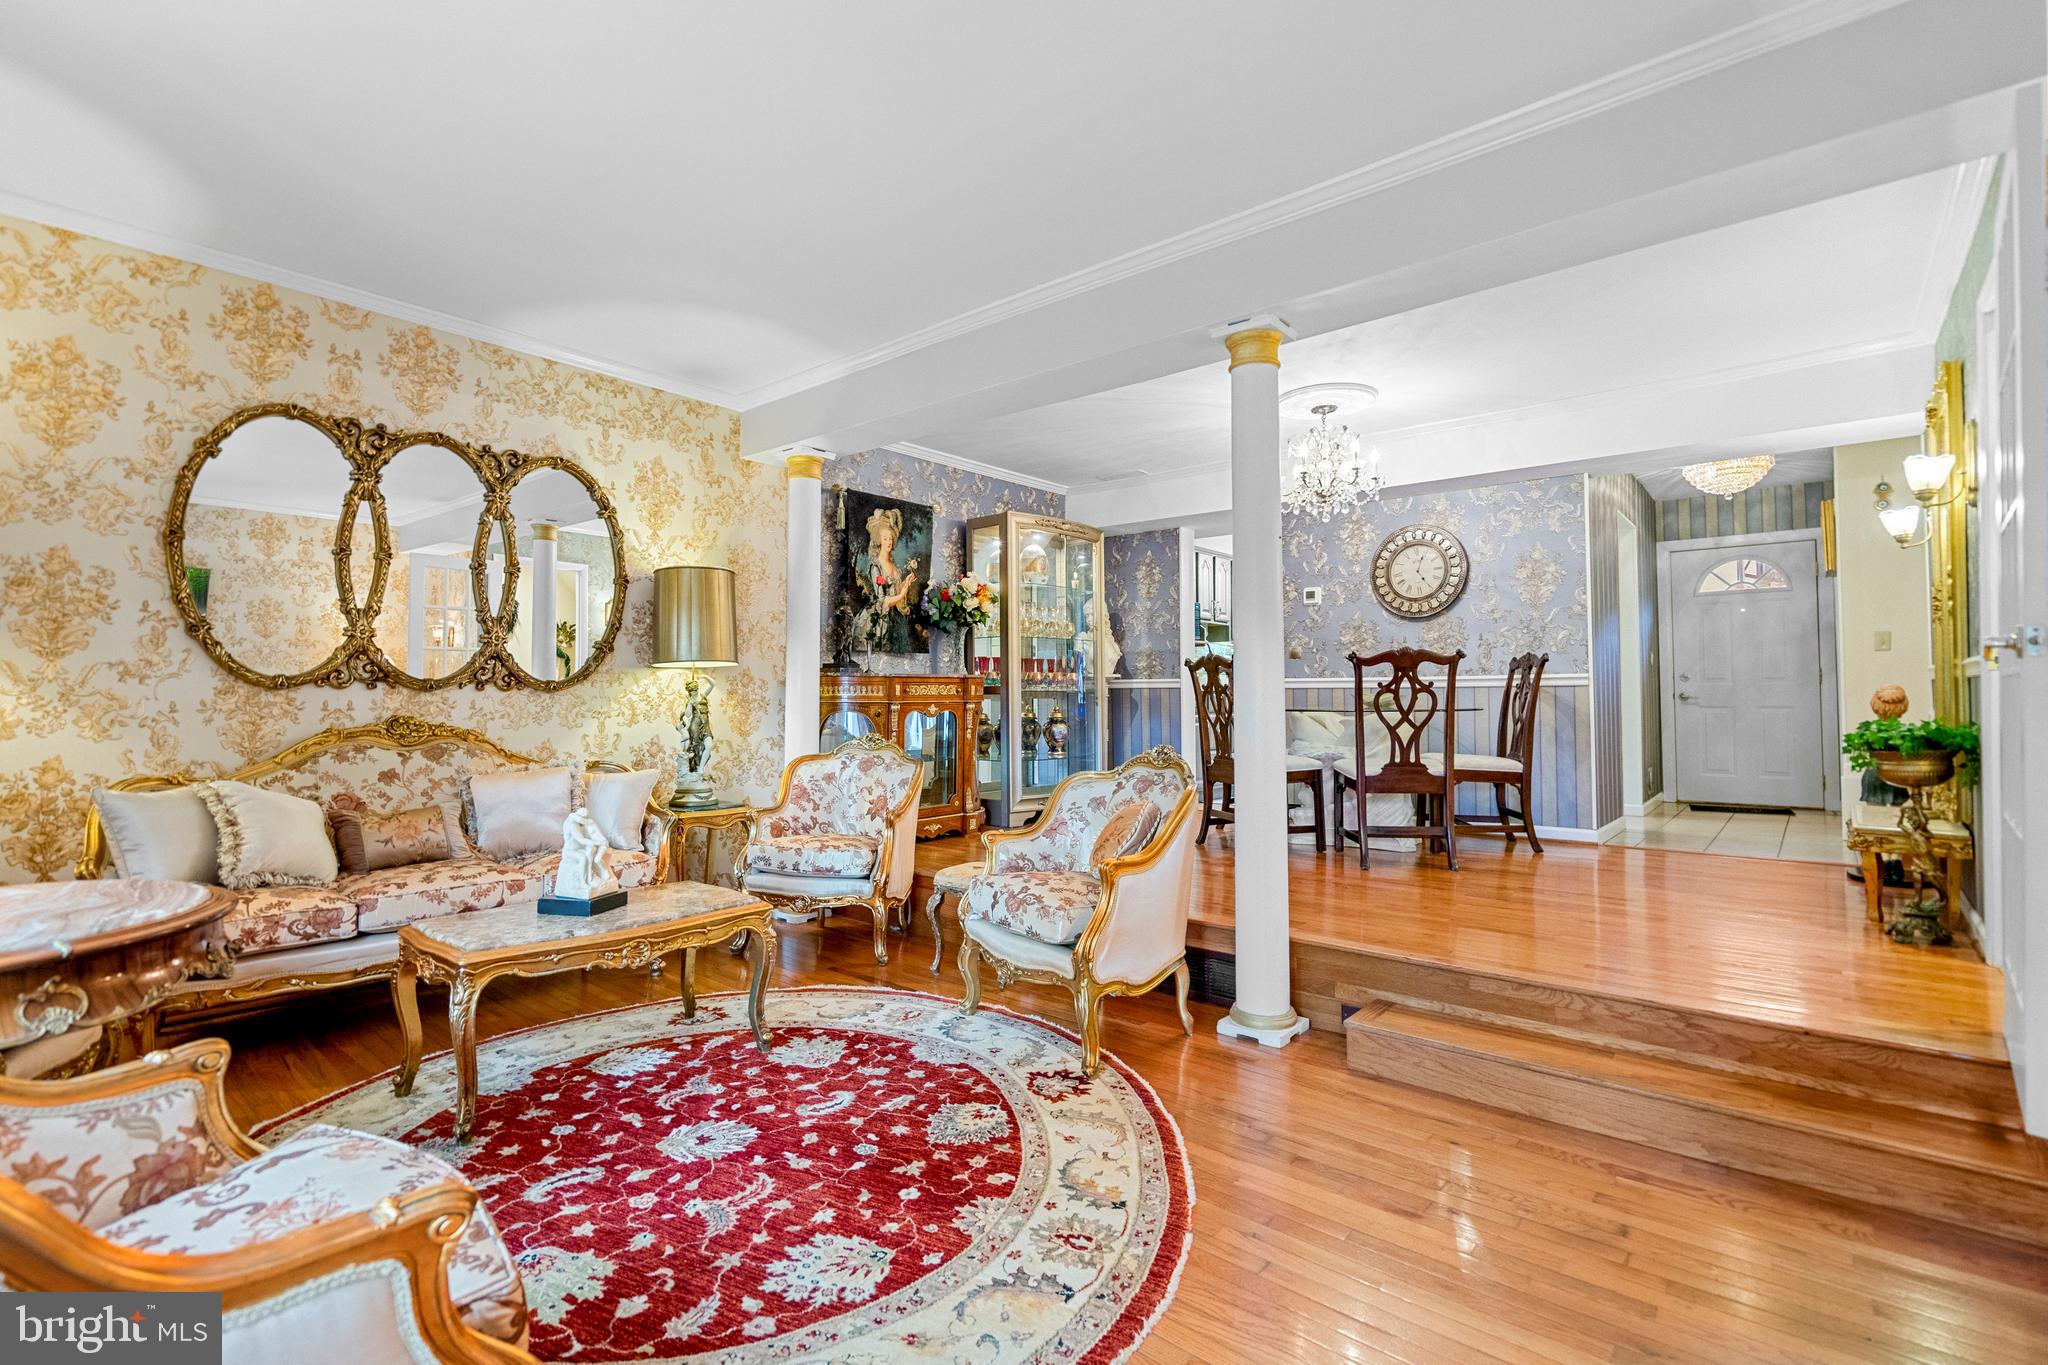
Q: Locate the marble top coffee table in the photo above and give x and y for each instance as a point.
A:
(468, 950)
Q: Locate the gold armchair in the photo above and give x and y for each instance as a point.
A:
(111, 1185)
(1053, 905)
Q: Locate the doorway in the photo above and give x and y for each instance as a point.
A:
(1748, 630)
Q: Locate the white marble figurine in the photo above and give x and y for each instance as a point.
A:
(584, 873)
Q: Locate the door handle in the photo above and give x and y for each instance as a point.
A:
(1685, 696)
(2023, 641)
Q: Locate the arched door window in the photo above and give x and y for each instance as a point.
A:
(1742, 574)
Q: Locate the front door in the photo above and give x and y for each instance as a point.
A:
(1746, 669)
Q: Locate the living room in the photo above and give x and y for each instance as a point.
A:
(887, 742)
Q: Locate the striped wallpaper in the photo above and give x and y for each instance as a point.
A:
(1563, 794)
(1784, 507)
(1141, 716)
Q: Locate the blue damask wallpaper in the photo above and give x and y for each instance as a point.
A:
(1527, 543)
(955, 495)
(1142, 574)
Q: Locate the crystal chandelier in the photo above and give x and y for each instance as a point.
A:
(1328, 478)
(1729, 477)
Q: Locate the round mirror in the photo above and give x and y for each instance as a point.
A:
(260, 549)
(428, 625)
(568, 595)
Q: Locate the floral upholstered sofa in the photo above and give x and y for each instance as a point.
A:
(288, 939)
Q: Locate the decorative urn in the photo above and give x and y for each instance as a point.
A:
(1056, 733)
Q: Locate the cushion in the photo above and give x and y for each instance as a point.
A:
(635, 868)
(397, 896)
(320, 1173)
(813, 855)
(1051, 907)
(1019, 951)
(268, 918)
(618, 802)
(1127, 831)
(166, 835)
(783, 884)
(521, 811)
(98, 1160)
(1475, 763)
(366, 840)
(269, 838)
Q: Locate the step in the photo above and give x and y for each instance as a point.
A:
(1959, 1171)
(1901, 1072)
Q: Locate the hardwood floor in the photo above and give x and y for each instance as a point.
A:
(1345, 1218)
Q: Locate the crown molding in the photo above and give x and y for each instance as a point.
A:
(1969, 183)
(961, 462)
(166, 244)
(1746, 42)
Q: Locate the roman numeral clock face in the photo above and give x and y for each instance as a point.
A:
(1419, 571)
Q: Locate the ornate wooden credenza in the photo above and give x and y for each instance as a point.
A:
(931, 717)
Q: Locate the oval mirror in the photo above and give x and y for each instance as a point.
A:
(260, 549)
(428, 625)
(566, 537)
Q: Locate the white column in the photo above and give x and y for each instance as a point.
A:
(806, 593)
(1264, 1008)
(541, 597)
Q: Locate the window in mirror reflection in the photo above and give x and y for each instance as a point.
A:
(433, 501)
(556, 522)
(262, 523)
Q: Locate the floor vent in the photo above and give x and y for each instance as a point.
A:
(1212, 977)
(1717, 808)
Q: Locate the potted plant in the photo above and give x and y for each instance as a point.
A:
(1914, 754)
(966, 601)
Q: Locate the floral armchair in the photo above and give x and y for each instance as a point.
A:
(842, 831)
(331, 1246)
(1095, 896)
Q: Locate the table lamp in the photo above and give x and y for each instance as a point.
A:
(694, 628)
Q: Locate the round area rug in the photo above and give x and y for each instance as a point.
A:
(894, 1181)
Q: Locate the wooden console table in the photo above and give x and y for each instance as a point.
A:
(1874, 834)
(78, 954)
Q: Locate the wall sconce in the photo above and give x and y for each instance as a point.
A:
(1900, 522)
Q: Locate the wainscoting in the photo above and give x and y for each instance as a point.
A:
(1142, 714)
(1563, 795)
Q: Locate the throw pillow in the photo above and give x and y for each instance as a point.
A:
(165, 835)
(519, 812)
(618, 802)
(1127, 831)
(366, 840)
(269, 838)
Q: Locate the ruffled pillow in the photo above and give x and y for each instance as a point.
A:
(269, 838)
(1125, 832)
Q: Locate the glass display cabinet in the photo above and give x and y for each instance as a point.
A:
(926, 716)
(1047, 697)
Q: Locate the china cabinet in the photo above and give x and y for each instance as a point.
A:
(1043, 653)
(930, 717)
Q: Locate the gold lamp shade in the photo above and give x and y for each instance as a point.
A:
(694, 622)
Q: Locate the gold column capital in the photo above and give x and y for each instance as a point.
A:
(804, 466)
(1255, 346)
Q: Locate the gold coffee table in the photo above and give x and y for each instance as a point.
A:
(467, 951)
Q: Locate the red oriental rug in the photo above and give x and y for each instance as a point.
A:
(894, 1181)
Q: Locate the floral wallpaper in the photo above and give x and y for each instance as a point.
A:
(1142, 575)
(956, 496)
(113, 361)
(1527, 542)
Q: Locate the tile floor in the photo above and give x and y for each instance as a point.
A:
(1806, 836)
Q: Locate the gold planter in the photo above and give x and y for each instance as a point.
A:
(1914, 771)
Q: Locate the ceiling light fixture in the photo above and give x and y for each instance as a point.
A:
(1325, 476)
(1726, 478)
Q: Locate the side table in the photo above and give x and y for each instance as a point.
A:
(696, 861)
(1875, 834)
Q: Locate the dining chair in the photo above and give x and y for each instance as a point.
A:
(1215, 719)
(1405, 704)
(1512, 763)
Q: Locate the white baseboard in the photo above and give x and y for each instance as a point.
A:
(1570, 834)
(1646, 806)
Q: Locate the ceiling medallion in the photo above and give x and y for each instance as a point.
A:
(1729, 477)
(1325, 476)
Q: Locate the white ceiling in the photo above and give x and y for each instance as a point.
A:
(1850, 276)
(743, 201)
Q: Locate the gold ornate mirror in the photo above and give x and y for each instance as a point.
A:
(303, 548)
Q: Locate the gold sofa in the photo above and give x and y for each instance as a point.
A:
(288, 940)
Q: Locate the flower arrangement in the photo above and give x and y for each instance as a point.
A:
(966, 601)
(1894, 736)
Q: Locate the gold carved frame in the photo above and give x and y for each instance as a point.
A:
(357, 659)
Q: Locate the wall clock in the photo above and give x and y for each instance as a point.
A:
(1419, 571)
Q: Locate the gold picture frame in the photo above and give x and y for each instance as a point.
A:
(357, 658)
